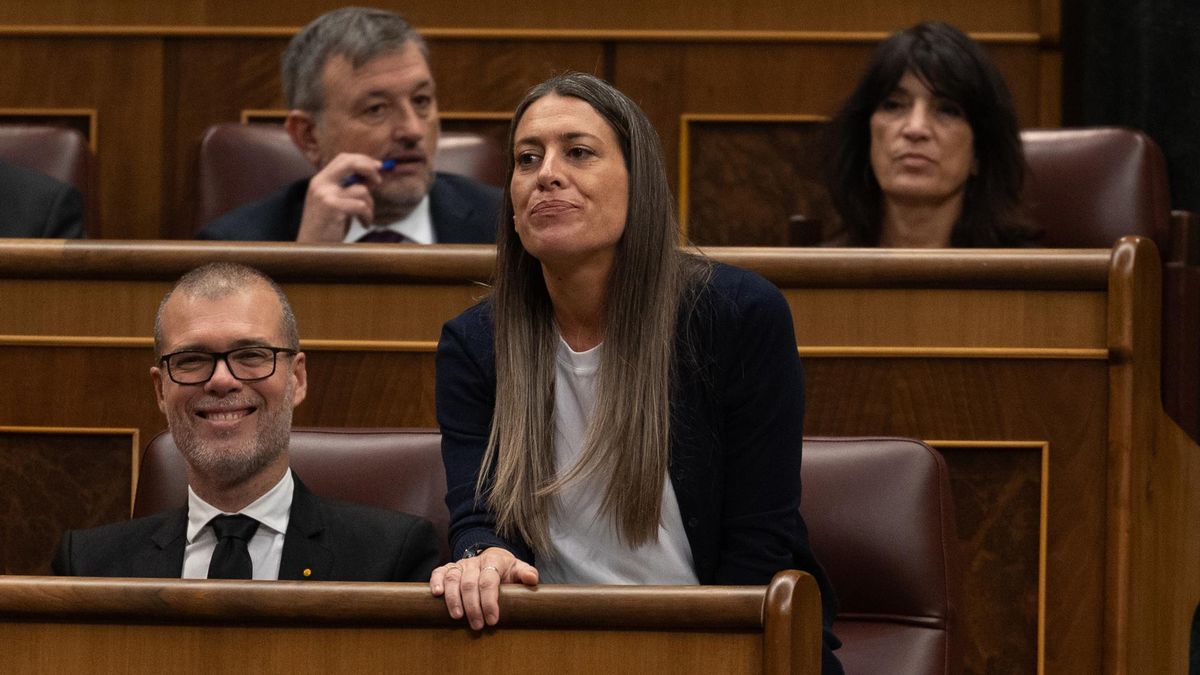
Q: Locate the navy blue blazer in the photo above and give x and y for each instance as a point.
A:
(463, 210)
(37, 206)
(737, 423)
(335, 541)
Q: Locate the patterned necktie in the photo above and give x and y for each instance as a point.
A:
(384, 236)
(231, 559)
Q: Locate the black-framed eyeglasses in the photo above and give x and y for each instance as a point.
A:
(248, 364)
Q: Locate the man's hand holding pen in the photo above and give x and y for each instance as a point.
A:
(338, 192)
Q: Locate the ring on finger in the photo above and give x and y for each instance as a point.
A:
(490, 567)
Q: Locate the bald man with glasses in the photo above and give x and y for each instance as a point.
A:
(229, 373)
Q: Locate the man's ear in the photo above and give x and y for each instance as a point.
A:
(156, 376)
(300, 376)
(302, 127)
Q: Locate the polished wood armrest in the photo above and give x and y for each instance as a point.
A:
(137, 625)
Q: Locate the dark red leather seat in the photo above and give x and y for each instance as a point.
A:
(392, 468)
(58, 152)
(1089, 187)
(881, 521)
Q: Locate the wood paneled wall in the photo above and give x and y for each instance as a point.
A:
(157, 74)
(752, 15)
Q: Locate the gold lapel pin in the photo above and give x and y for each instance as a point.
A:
(307, 572)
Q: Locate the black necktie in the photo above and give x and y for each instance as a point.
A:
(231, 559)
(385, 236)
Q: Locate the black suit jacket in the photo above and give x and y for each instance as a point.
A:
(464, 211)
(337, 541)
(37, 206)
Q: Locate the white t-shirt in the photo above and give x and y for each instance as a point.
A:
(585, 548)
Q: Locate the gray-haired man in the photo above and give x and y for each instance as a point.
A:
(364, 111)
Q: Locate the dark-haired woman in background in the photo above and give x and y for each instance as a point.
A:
(617, 411)
(927, 152)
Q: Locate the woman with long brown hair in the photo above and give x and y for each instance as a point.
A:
(617, 411)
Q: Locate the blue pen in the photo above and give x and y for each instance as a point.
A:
(356, 178)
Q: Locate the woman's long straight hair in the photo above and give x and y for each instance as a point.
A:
(628, 435)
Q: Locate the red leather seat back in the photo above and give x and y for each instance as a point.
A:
(881, 521)
(1087, 188)
(58, 152)
(398, 469)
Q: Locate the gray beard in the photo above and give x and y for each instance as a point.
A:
(389, 210)
(228, 467)
(392, 207)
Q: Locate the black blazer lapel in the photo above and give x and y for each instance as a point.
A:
(163, 557)
(449, 212)
(305, 553)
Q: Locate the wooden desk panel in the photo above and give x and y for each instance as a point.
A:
(976, 319)
(994, 405)
(51, 476)
(253, 649)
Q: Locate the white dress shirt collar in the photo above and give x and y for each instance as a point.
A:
(272, 510)
(417, 226)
